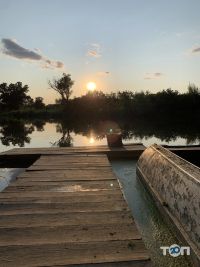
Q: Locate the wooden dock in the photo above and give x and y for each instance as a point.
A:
(67, 209)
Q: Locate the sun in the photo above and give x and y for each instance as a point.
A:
(91, 86)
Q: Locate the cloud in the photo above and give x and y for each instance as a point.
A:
(94, 51)
(103, 73)
(196, 50)
(154, 75)
(158, 74)
(13, 49)
(59, 64)
(37, 50)
(50, 64)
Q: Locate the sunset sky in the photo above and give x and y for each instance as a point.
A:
(118, 44)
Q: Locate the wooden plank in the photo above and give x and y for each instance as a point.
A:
(57, 219)
(35, 197)
(135, 263)
(65, 167)
(54, 188)
(73, 234)
(85, 183)
(65, 207)
(62, 186)
(108, 184)
(74, 158)
(64, 178)
(64, 254)
(73, 164)
(79, 195)
(70, 174)
(71, 159)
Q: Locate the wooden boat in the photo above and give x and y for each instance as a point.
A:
(174, 183)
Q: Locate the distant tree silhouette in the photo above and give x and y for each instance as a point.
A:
(96, 105)
(193, 89)
(38, 103)
(28, 102)
(13, 96)
(63, 87)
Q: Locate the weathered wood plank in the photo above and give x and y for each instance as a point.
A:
(70, 174)
(62, 186)
(35, 197)
(73, 178)
(82, 184)
(58, 219)
(71, 165)
(110, 194)
(65, 207)
(73, 158)
(64, 254)
(77, 233)
(135, 263)
(67, 167)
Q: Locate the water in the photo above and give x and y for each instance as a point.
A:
(154, 230)
(41, 133)
(7, 175)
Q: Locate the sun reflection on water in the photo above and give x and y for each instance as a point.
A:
(91, 140)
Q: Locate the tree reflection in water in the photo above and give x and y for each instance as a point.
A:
(15, 133)
(66, 140)
(18, 132)
(39, 125)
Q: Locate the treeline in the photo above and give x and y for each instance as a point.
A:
(133, 104)
(14, 99)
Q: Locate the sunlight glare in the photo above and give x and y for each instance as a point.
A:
(91, 86)
(91, 140)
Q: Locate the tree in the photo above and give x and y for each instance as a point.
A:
(29, 101)
(13, 96)
(63, 86)
(38, 103)
(193, 89)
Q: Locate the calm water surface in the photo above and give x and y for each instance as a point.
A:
(47, 134)
(154, 230)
